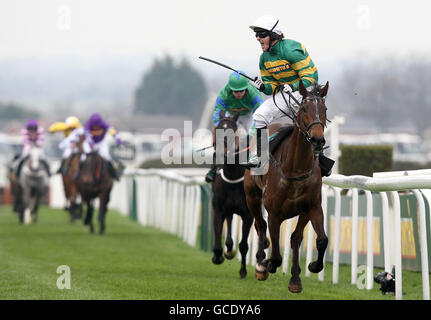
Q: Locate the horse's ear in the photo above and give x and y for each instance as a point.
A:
(221, 114)
(236, 116)
(324, 90)
(302, 89)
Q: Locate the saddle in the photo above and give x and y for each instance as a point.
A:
(276, 138)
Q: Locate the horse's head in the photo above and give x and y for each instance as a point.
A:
(34, 158)
(92, 169)
(226, 130)
(312, 115)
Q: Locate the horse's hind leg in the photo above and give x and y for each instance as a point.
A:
(218, 228)
(254, 204)
(102, 213)
(229, 253)
(316, 217)
(295, 285)
(247, 221)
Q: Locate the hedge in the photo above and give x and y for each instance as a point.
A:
(365, 159)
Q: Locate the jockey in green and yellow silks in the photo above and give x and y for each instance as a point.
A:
(283, 63)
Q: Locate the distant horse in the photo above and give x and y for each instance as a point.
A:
(69, 174)
(229, 198)
(292, 187)
(95, 181)
(31, 186)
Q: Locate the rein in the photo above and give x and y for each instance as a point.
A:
(305, 132)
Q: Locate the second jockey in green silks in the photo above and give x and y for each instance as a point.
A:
(237, 96)
(283, 63)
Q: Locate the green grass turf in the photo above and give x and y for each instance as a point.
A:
(135, 262)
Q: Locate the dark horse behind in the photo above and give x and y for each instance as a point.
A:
(95, 181)
(229, 198)
(292, 187)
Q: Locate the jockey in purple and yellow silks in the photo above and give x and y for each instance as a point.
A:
(95, 130)
(66, 145)
(32, 136)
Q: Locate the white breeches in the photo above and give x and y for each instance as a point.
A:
(268, 111)
(101, 147)
(246, 121)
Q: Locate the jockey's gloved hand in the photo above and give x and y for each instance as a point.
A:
(258, 84)
(118, 140)
(287, 88)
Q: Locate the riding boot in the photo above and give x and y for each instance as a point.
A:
(325, 164)
(113, 171)
(19, 167)
(210, 177)
(254, 160)
(61, 168)
(46, 166)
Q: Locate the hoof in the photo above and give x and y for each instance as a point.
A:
(229, 254)
(243, 273)
(261, 273)
(315, 267)
(295, 286)
(91, 229)
(217, 260)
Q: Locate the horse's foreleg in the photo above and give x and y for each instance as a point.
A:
(316, 217)
(89, 216)
(274, 231)
(229, 254)
(218, 228)
(247, 221)
(295, 285)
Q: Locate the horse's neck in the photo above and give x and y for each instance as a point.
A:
(298, 156)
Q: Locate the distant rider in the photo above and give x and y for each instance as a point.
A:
(238, 95)
(33, 136)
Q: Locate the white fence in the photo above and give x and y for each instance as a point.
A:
(170, 200)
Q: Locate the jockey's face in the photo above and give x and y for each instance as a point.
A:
(239, 94)
(96, 131)
(264, 41)
(32, 134)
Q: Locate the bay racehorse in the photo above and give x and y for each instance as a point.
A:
(292, 187)
(32, 185)
(95, 181)
(69, 174)
(229, 197)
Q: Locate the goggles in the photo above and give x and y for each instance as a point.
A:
(262, 34)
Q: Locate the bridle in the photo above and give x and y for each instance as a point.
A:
(225, 179)
(294, 117)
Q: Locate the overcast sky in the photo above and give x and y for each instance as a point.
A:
(330, 30)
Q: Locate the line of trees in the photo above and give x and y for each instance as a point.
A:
(13, 111)
(170, 88)
(387, 92)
